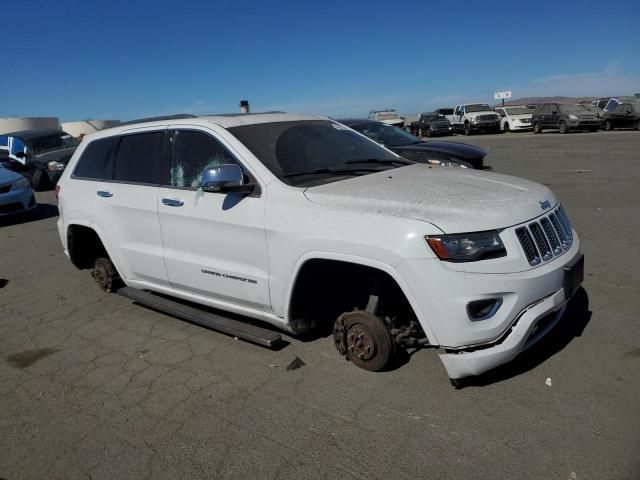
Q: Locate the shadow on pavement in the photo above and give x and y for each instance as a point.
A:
(41, 212)
(571, 325)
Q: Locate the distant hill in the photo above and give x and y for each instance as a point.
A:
(530, 100)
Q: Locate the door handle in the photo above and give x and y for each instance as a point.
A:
(104, 193)
(172, 202)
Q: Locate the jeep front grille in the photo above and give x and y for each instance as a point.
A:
(546, 238)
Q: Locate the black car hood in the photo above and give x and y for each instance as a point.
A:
(459, 150)
(63, 155)
(423, 151)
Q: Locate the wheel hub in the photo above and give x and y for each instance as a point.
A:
(100, 276)
(360, 343)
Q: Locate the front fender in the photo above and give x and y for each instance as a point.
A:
(368, 262)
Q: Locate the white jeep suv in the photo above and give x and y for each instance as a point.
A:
(306, 224)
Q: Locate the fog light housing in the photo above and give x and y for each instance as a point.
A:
(483, 309)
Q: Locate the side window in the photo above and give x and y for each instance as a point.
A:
(191, 153)
(96, 161)
(139, 158)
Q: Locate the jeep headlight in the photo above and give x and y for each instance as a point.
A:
(54, 166)
(573, 117)
(448, 163)
(467, 247)
(22, 183)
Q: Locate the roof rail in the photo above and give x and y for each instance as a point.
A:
(178, 116)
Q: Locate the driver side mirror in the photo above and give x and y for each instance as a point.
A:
(553, 112)
(226, 178)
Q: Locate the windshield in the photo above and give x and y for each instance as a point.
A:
(518, 111)
(386, 134)
(574, 108)
(431, 118)
(307, 152)
(387, 116)
(478, 107)
(47, 143)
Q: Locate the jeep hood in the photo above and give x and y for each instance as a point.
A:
(454, 200)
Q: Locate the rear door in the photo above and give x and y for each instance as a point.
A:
(625, 115)
(125, 208)
(214, 243)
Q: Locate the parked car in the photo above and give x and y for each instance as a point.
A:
(40, 154)
(600, 103)
(625, 115)
(615, 101)
(445, 112)
(388, 116)
(564, 117)
(449, 154)
(514, 118)
(431, 124)
(16, 195)
(475, 117)
(304, 223)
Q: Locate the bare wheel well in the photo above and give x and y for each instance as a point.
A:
(325, 289)
(84, 246)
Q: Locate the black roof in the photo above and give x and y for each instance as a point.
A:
(34, 133)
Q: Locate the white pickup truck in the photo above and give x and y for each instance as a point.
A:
(307, 225)
(474, 117)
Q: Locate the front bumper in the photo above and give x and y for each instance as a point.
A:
(54, 176)
(17, 201)
(485, 125)
(531, 325)
(584, 124)
(442, 292)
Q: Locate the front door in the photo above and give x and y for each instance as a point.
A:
(214, 243)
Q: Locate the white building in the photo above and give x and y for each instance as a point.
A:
(16, 124)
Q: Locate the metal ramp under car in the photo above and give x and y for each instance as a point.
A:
(229, 326)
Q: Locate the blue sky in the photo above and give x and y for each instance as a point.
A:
(126, 59)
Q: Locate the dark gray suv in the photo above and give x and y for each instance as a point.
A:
(564, 117)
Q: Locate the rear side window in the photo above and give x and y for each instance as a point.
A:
(96, 161)
(139, 158)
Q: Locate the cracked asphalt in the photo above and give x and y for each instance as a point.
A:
(93, 386)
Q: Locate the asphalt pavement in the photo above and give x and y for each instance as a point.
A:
(93, 386)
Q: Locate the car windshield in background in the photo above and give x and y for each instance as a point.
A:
(574, 108)
(431, 118)
(307, 152)
(388, 116)
(386, 134)
(478, 107)
(518, 111)
(50, 142)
